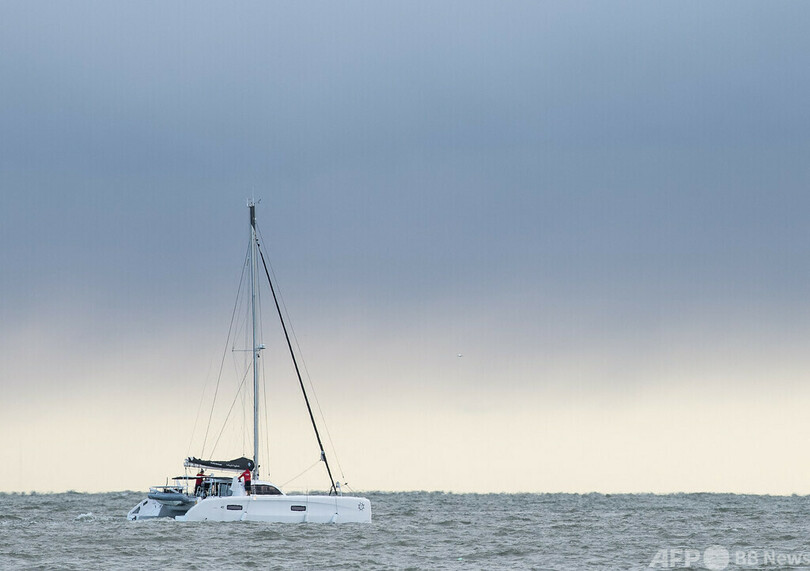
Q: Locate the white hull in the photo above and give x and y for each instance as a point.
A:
(281, 509)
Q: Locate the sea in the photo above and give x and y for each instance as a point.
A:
(422, 530)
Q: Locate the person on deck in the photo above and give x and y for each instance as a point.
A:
(246, 477)
(198, 482)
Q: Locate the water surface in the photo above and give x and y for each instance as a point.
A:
(421, 530)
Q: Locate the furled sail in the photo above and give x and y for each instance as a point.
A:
(240, 464)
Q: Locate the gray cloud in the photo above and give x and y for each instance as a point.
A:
(581, 193)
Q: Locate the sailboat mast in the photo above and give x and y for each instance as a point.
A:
(253, 278)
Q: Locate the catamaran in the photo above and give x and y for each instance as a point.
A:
(232, 490)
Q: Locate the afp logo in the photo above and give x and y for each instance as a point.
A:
(715, 557)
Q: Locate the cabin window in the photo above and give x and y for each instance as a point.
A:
(265, 490)
(298, 508)
(234, 507)
(221, 489)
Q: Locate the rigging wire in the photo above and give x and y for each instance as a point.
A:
(263, 387)
(199, 409)
(301, 474)
(262, 384)
(240, 391)
(332, 487)
(240, 386)
(235, 398)
(224, 353)
(247, 364)
(303, 361)
(266, 422)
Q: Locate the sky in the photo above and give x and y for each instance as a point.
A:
(600, 206)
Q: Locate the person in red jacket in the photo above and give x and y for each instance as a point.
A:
(246, 477)
(198, 481)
